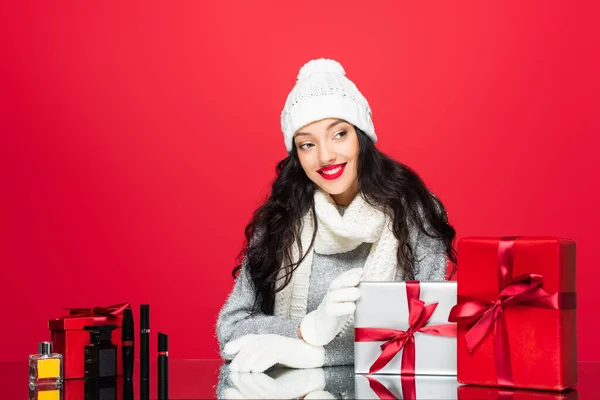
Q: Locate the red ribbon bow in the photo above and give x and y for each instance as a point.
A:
(481, 316)
(396, 340)
(108, 311)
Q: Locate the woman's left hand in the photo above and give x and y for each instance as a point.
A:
(257, 353)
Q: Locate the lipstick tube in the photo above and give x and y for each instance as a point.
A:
(163, 367)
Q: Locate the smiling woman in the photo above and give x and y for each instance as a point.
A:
(340, 211)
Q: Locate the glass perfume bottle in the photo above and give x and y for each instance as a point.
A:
(45, 368)
(101, 354)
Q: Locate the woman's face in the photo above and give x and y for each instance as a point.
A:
(328, 152)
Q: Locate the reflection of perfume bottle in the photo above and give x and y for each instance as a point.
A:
(45, 368)
(100, 354)
(45, 393)
(100, 389)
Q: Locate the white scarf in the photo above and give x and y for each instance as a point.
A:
(338, 234)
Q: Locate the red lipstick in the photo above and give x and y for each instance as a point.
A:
(336, 175)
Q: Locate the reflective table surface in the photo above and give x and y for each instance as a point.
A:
(209, 379)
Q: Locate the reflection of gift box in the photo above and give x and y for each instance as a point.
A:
(516, 312)
(402, 327)
(70, 338)
(468, 392)
(405, 387)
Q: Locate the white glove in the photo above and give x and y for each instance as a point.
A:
(288, 384)
(319, 395)
(322, 325)
(257, 353)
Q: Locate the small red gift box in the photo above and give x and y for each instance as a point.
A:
(516, 312)
(69, 337)
(480, 392)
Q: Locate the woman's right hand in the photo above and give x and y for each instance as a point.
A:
(322, 325)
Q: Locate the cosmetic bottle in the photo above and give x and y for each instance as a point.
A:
(46, 367)
(101, 354)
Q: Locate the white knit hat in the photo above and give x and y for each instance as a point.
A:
(323, 91)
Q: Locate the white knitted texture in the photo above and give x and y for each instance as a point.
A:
(323, 91)
(381, 264)
(337, 234)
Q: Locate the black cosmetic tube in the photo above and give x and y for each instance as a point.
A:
(127, 344)
(163, 367)
(144, 351)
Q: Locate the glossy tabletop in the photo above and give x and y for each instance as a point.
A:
(209, 379)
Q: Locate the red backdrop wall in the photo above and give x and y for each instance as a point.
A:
(137, 140)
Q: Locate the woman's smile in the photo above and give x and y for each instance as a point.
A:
(333, 172)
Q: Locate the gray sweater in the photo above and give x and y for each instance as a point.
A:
(234, 320)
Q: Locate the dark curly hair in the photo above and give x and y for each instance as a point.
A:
(385, 184)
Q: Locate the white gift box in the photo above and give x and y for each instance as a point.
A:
(385, 305)
(426, 387)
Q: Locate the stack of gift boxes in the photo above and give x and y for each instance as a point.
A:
(70, 338)
(506, 328)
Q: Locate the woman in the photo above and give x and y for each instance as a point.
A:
(340, 211)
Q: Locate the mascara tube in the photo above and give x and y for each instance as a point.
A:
(144, 351)
(127, 344)
(163, 367)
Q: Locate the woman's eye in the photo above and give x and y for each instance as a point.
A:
(309, 145)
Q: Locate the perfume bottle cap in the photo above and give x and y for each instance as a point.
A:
(45, 348)
(100, 334)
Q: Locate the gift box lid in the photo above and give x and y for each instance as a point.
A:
(80, 317)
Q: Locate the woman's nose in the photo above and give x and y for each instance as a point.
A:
(326, 154)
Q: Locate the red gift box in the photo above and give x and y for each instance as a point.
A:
(69, 337)
(516, 312)
(481, 392)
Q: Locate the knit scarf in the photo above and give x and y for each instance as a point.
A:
(339, 234)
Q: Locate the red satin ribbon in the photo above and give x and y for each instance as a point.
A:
(396, 339)
(108, 311)
(480, 316)
(409, 388)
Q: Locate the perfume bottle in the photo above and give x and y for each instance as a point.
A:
(101, 354)
(45, 368)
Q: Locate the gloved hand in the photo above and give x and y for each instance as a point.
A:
(257, 353)
(284, 384)
(322, 325)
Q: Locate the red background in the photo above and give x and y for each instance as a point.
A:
(137, 139)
